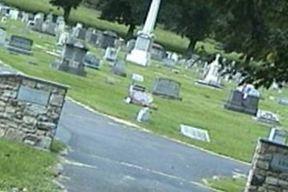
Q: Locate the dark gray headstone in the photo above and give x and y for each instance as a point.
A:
(20, 44)
(72, 58)
(108, 39)
(158, 52)
(167, 88)
(237, 103)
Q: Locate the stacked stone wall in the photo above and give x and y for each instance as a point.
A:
(30, 109)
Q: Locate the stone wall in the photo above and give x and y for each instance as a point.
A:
(30, 109)
(269, 168)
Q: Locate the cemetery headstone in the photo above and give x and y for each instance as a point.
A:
(2, 36)
(38, 22)
(32, 109)
(119, 68)
(212, 77)
(269, 167)
(20, 44)
(108, 39)
(245, 100)
(283, 101)
(91, 61)
(143, 115)
(195, 133)
(137, 78)
(158, 52)
(72, 58)
(167, 88)
(141, 53)
(63, 38)
(25, 17)
(13, 14)
(268, 117)
(130, 45)
(111, 54)
(82, 34)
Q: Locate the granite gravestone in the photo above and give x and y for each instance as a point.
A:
(119, 68)
(72, 58)
(167, 88)
(81, 34)
(237, 102)
(158, 52)
(108, 39)
(38, 22)
(19, 44)
(2, 36)
(91, 61)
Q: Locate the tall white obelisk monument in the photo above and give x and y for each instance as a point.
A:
(141, 53)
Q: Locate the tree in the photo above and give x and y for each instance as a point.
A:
(128, 12)
(259, 30)
(189, 18)
(66, 5)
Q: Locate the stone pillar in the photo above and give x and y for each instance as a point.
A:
(269, 170)
(141, 53)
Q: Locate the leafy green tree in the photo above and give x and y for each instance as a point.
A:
(66, 5)
(259, 30)
(189, 18)
(127, 12)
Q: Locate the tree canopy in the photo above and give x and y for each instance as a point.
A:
(66, 5)
(258, 30)
(127, 12)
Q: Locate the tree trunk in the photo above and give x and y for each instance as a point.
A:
(130, 32)
(67, 11)
(191, 47)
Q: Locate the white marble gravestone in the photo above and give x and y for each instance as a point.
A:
(212, 76)
(267, 117)
(13, 14)
(195, 133)
(141, 53)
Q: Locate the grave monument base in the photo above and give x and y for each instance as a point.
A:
(141, 53)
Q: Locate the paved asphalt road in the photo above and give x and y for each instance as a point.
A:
(111, 157)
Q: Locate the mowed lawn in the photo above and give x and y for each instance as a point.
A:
(25, 168)
(90, 17)
(232, 134)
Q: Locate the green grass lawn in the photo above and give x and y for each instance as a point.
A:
(90, 17)
(228, 184)
(232, 134)
(23, 167)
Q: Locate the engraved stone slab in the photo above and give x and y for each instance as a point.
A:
(280, 163)
(195, 133)
(30, 95)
